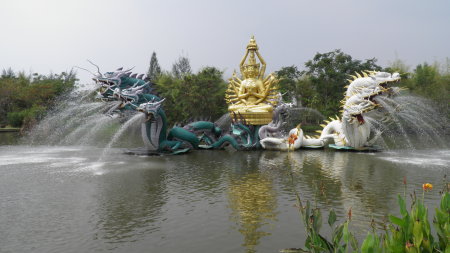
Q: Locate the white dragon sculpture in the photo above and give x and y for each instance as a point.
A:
(351, 131)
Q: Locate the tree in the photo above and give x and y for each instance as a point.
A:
(295, 85)
(289, 77)
(194, 95)
(329, 72)
(154, 70)
(181, 67)
(205, 93)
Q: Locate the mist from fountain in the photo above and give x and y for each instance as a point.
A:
(224, 122)
(412, 122)
(77, 119)
(409, 121)
(129, 123)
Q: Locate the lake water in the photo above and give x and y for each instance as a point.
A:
(78, 199)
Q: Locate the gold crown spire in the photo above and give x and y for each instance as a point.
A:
(252, 47)
(252, 44)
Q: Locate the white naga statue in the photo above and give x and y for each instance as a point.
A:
(350, 131)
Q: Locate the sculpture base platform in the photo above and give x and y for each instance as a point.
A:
(352, 149)
(146, 152)
(312, 147)
(254, 118)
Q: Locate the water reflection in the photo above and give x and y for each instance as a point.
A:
(339, 180)
(252, 199)
(202, 181)
(130, 204)
(9, 138)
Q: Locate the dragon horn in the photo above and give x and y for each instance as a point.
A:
(128, 69)
(85, 70)
(98, 69)
(161, 101)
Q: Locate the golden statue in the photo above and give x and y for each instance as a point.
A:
(255, 96)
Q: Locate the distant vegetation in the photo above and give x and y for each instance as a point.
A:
(25, 98)
(319, 84)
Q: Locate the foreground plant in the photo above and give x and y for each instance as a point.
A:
(409, 233)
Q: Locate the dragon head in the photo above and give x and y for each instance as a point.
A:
(362, 90)
(129, 94)
(385, 78)
(370, 84)
(119, 79)
(151, 109)
(355, 107)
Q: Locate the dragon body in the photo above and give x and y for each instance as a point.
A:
(351, 130)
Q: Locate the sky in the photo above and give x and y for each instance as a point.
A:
(46, 36)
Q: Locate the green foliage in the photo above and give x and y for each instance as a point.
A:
(181, 67)
(289, 77)
(409, 233)
(295, 85)
(341, 238)
(412, 231)
(154, 71)
(193, 95)
(18, 118)
(24, 98)
(430, 81)
(321, 84)
(328, 73)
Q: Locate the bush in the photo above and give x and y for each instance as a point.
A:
(15, 119)
(23, 98)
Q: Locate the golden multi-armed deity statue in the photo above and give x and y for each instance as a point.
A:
(255, 96)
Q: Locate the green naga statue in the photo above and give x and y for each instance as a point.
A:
(136, 94)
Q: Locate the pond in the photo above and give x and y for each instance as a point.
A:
(81, 199)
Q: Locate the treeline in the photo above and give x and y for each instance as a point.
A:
(319, 84)
(24, 98)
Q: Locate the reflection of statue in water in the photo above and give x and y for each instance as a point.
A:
(253, 204)
(255, 96)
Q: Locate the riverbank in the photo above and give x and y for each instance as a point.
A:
(10, 129)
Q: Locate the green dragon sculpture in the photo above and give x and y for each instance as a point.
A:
(136, 94)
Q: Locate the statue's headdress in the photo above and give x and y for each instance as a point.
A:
(252, 47)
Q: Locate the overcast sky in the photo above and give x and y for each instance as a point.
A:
(55, 35)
